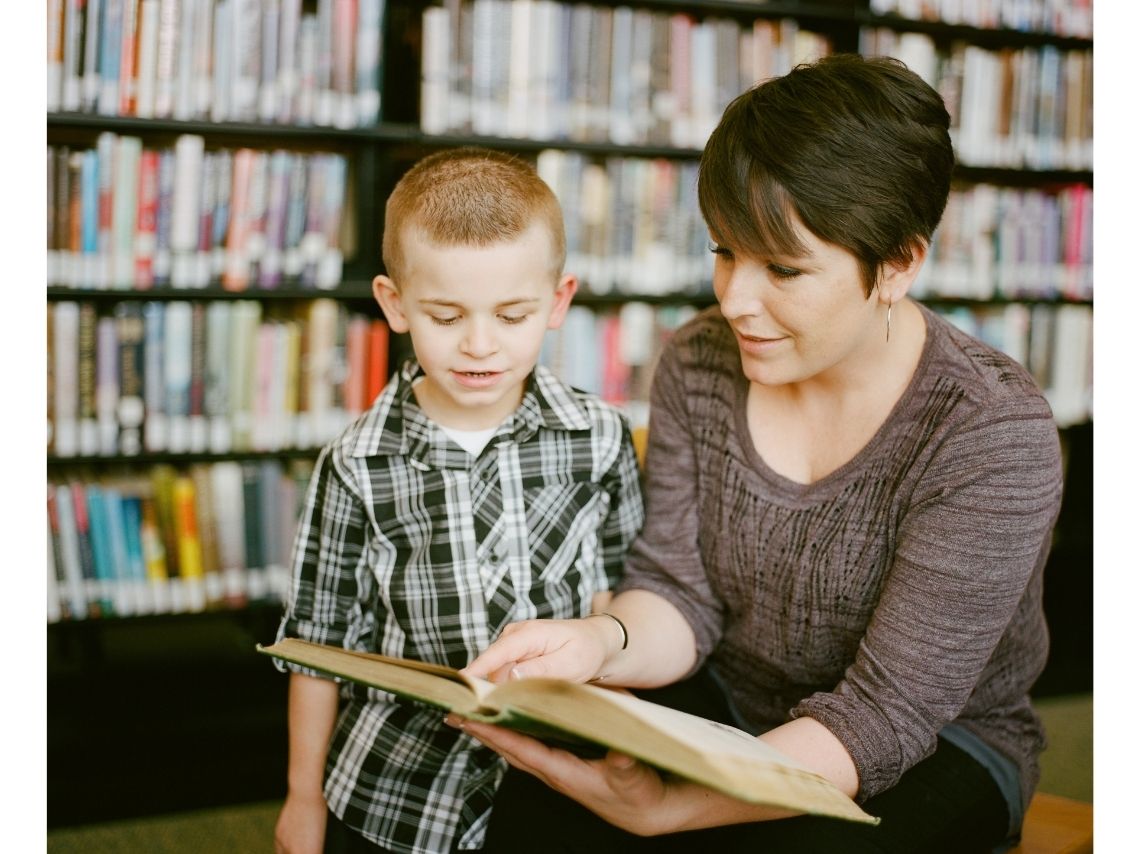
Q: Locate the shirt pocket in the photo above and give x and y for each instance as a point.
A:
(564, 522)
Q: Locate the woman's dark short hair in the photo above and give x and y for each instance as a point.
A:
(859, 148)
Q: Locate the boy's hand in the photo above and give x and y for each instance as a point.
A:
(575, 650)
(301, 826)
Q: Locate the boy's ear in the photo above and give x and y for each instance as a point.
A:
(563, 294)
(896, 278)
(388, 298)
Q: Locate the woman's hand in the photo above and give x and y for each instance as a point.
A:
(623, 791)
(575, 650)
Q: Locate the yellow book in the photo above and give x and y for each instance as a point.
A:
(576, 715)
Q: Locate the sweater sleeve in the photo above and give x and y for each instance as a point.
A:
(665, 559)
(976, 531)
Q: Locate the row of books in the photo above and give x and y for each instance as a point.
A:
(280, 61)
(1020, 244)
(1029, 107)
(613, 352)
(1054, 343)
(217, 377)
(1062, 17)
(545, 70)
(172, 540)
(632, 224)
(122, 217)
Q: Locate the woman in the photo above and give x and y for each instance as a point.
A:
(849, 505)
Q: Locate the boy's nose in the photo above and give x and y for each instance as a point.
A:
(479, 340)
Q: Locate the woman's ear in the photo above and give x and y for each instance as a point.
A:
(388, 298)
(896, 277)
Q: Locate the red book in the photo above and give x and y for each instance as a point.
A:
(377, 360)
(146, 222)
(128, 59)
(357, 341)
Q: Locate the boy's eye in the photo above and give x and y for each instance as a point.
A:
(444, 321)
(512, 318)
(782, 272)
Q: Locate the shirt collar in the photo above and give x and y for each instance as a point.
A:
(395, 424)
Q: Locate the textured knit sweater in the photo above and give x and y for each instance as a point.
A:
(896, 595)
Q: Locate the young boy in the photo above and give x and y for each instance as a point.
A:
(477, 491)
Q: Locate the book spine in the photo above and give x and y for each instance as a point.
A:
(289, 33)
(377, 359)
(130, 335)
(204, 50)
(155, 428)
(123, 588)
(162, 479)
(131, 507)
(107, 385)
(55, 39)
(207, 535)
(146, 224)
(128, 84)
(229, 510)
(176, 372)
(154, 554)
(236, 275)
(369, 45)
(269, 477)
(245, 62)
(109, 49)
(189, 151)
(91, 515)
(72, 59)
(256, 577)
(184, 67)
(267, 98)
(65, 375)
(198, 424)
(221, 79)
(91, 43)
(435, 73)
(343, 57)
(149, 13)
(207, 208)
(73, 244)
(86, 344)
(128, 152)
(75, 587)
(323, 77)
(163, 219)
(189, 543)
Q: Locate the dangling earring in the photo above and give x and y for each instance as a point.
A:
(889, 322)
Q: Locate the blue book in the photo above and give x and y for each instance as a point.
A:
(132, 532)
(109, 51)
(103, 559)
(89, 201)
(124, 590)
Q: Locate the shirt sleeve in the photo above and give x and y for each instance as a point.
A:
(623, 521)
(975, 534)
(330, 580)
(665, 559)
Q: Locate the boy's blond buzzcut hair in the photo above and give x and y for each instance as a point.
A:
(470, 197)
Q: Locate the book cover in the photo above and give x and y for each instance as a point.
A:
(710, 753)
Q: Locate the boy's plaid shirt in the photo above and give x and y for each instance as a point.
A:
(410, 547)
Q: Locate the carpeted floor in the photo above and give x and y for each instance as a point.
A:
(248, 828)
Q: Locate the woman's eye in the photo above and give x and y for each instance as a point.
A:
(782, 272)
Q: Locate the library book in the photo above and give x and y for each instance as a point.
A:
(588, 718)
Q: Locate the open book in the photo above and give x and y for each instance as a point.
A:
(713, 754)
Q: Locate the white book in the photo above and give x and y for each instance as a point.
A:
(203, 41)
(189, 150)
(221, 82)
(107, 385)
(435, 70)
(245, 58)
(176, 364)
(128, 152)
(217, 382)
(369, 41)
(543, 93)
(184, 67)
(306, 71)
(323, 100)
(55, 38)
(640, 76)
(90, 88)
(267, 101)
(319, 369)
(702, 86)
(518, 73)
(288, 42)
(166, 58)
(65, 369)
(1070, 392)
(482, 61)
(148, 58)
(155, 433)
(620, 122)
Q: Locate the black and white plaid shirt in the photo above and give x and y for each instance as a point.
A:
(410, 547)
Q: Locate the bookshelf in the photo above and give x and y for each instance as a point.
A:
(621, 155)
